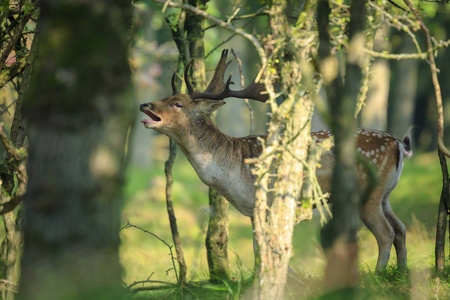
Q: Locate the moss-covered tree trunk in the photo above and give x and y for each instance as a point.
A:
(217, 234)
(12, 221)
(176, 29)
(79, 117)
(277, 196)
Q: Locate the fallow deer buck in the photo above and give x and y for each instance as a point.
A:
(219, 159)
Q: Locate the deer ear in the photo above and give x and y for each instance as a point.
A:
(209, 106)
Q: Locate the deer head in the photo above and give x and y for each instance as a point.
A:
(175, 113)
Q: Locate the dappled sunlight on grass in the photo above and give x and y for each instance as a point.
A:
(415, 201)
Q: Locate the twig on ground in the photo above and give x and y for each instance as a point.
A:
(129, 225)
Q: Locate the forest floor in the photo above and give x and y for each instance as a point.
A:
(415, 201)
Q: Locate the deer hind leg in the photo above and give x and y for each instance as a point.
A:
(377, 223)
(400, 233)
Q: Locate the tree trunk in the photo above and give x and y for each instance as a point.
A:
(441, 227)
(181, 277)
(11, 243)
(78, 122)
(277, 194)
(339, 235)
(217, 237)
(217, 234)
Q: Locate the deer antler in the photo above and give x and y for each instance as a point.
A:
(218, 90)
(216, 85)
(254, 91)
(174, 85)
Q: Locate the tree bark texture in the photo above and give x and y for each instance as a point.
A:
(181, 277)
(217, 237)
(441, 227)
(339, 235)
(194, 28)
(78, 117)
(217, 233)
(277, 194)
(12, 222)
(180, 41)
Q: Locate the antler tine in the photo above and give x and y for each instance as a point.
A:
(217, 90)
(254, 91)
(174, 85)
(216, 85)
(189, 87)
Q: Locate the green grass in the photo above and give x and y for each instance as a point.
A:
(415, 201)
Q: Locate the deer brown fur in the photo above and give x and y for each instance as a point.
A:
(219, 159)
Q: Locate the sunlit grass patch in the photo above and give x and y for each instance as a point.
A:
(415, 202)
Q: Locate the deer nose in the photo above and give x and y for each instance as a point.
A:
(146, 106)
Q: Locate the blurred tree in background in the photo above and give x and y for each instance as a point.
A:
(79, 116)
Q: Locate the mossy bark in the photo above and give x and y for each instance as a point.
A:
(178, 37)
(217, 233)
(217, 237)
(277, 196)
(11, 220)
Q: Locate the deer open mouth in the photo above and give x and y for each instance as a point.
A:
(153, 118)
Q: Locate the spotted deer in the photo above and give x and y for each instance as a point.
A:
(219, 159)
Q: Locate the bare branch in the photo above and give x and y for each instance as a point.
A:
(12, 72)
(170, 284)
(434, 77)
(244, 17)
(423, 55)
(397, 23)
(129, 225)
(242, 85)
(13, 41)
(220, 23)
(8, 107)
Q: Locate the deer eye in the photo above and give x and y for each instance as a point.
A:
(179, 105)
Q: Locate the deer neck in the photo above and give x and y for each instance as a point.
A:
(218, 160)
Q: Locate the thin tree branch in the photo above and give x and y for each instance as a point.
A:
(230, 37)
(170, 210)
(14, 39)
(434, 77)
(153, 288)
(8, 107)
(129, 225)
(423, 55)
(220, 23)
(170, 284)
(12, 72)
(242, 85)
(183, 49)
(397, 23)
(244, 17)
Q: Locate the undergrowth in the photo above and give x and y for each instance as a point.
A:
(415, 202)
(391, 284)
